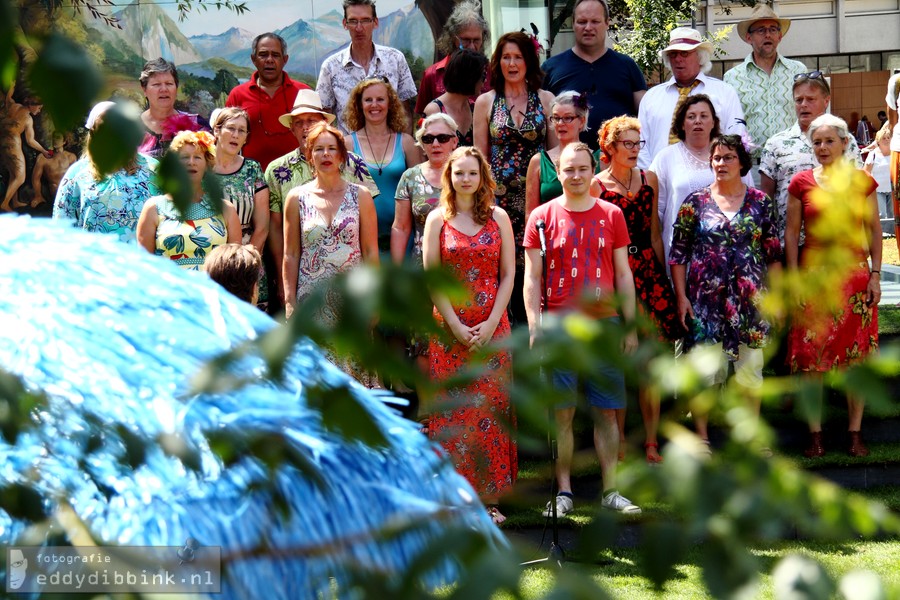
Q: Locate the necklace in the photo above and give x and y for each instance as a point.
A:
(380, 164)
(628, 193)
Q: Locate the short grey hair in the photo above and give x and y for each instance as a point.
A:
(829, 120)
(431, 120)
(466, 14)
(569, 99)
(157, 67)
(705, 60)
(267, 35)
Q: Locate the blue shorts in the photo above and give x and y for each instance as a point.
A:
(605, 389)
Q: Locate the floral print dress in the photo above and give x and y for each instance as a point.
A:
(423, 198)
(189, 238)
(727, 263)
(650, 282)
(511, 149)
(819, 342)
(473, 423)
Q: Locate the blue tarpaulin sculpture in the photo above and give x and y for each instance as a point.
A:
(113, 335)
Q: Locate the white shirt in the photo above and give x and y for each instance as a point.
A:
(881, 170)
(658, 106)
(893, 100)
(680, 174)
(340, 74)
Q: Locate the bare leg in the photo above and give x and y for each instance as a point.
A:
(565, 444)
(649, 403)
(17, 178)
(606, 443)
(620, 422)
(855, 407)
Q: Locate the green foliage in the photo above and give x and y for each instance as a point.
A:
(416, 64)
(66, 80)
(225, 81)
(8, 26)
(115, 140)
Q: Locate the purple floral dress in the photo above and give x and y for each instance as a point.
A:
(727, 262)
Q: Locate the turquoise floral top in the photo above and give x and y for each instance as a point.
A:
(188, 239)
(727, 261)
(111, 205)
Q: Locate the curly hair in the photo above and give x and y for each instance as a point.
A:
(534, 76)
(320, 129)
(201, 139)
(354, 116)
(681, 114)
(466, 14)
(157, 67)
(484, 196)
(612, 130)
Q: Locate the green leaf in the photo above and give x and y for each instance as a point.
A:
(212, 185)
(66, 80)
(8, 24)
(344, 414)
(115, 141)
(801, 578)
(663, 546)
(172, 178)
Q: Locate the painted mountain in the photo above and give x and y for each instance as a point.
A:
(151, 32)
(310, 41)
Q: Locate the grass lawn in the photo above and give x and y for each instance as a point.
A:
(622, 578)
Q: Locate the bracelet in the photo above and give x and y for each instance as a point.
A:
(874, 271)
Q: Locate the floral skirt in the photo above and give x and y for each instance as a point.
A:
(844, 338)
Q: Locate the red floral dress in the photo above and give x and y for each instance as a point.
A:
(851, 334)
(650, 281)
(473, 423)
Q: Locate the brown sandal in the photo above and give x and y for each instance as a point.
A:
(651, 449)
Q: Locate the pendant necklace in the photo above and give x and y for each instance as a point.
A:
(628, 193)
(380, 164)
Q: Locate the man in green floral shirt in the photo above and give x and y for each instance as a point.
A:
(291, 170)
(763, 81)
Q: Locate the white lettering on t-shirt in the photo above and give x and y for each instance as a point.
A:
(574, 272)
(574, 253)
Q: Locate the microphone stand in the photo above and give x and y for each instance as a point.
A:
(557, 554)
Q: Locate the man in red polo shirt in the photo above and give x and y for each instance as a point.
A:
(269, 94)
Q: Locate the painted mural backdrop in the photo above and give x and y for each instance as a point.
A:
(211, 50)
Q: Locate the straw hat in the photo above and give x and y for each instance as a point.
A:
(307, 102)
(762, 12)
(686, 39)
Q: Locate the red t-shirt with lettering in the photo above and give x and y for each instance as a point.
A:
(579, 258)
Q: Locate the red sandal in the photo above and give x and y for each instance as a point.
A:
(655, 459)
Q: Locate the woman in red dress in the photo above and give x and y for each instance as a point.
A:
(473, 239)
(635, 192)
(846, 330)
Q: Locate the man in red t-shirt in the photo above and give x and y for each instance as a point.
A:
(587, 258)
(269, 94)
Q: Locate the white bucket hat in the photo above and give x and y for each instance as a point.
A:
(685, 39)
(307, 102)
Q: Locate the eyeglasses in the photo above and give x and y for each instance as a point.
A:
(234, 130)
(629, 145)
(566, 120)
(772, 29)
(357, 22)
(810, 75)
(442, 138)
(469, 42)
(727, 159)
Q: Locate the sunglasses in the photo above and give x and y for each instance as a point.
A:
(442, 138)
(810, 75)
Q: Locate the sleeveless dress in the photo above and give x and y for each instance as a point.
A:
(650, 281)
(240, 188)
(326, 251)
(467, 138)
(473, 423)
(551, 188)
(188, 239)
(387, 177)
(511, 149)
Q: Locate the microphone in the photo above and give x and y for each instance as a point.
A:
(540, 227)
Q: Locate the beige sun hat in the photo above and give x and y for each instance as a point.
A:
(307, 102)
(762, 12)
(686, 39)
